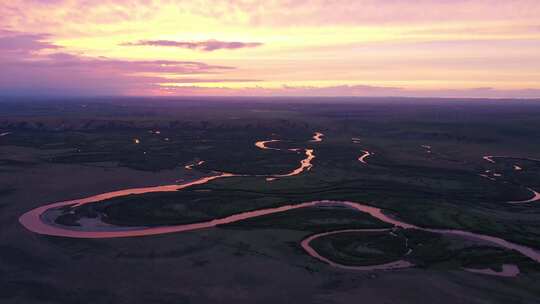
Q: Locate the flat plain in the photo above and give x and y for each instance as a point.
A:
(466, 165)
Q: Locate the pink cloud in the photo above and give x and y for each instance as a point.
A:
(379, 12)
(14, 42)
(36, 14)
(208, 45)
(27, 71)
(32, 65)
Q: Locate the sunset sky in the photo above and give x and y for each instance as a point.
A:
(446, 48)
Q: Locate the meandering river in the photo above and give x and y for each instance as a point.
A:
(317, 137)
(42, 221)
(535, 195)
(364, 156)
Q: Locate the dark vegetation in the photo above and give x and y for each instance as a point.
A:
(427, 250)
(439, 188)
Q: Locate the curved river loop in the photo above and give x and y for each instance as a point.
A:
(535, 195)
(40, 221)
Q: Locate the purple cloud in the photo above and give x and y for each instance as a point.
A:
(83, 75)
(26, 70)
(207, 46)
(14, 42)
(66, 61)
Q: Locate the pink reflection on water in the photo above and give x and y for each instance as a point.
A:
(305, 164)
(262, 144)
(489, 158)
(534, 198)
(364, 156)
(535, 194)
(387, 266)
(427, 148)
(508, 270)
(317, 137)
(526, 251)
(32, 220)
(35, 220)
(191, 166)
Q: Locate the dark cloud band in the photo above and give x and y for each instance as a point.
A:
(207, 46)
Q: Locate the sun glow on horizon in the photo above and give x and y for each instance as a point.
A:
(369, 47)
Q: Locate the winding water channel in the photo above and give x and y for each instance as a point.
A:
(42, 221)
(262, 144)
(317, 137)
(535, 195)
(364, 156)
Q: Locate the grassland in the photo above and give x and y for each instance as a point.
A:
(70, 144)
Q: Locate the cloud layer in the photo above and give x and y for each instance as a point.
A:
(352, 91)
(207, 46)
(275, 12)
(487, 48)
(33, 66)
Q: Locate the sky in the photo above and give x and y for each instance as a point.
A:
(417, 48)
